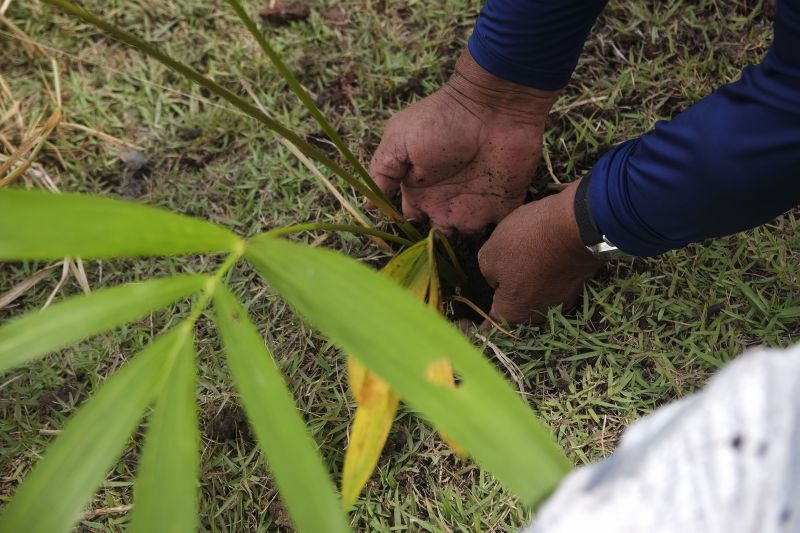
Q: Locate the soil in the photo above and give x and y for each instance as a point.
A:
(279, 12)
(57, 399)
(403, 92)
(336, 16)
(190, 134)
(475, 288)
(279, 515)
(226, 424)
(131, 180)
(339, 94)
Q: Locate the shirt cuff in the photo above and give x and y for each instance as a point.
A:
(613, 211)
(509, 70)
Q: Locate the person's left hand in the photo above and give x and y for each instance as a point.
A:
(535, 259)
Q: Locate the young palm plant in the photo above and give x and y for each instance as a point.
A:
(415, 270)
(398, 345)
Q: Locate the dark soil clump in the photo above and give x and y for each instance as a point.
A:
(226, 424)
(340, 93)
(280, 13)
(403, 92)
(474, 288)
(57, 399)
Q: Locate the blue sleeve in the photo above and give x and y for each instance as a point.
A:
(729, 162)
(533, 42)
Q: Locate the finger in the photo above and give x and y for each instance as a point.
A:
(507, 307)
(486, 264)
(466, 213)
(467, 326)
(427, 202)
(389, 164)
(410, 209)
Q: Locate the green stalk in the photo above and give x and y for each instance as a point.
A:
(304, 97)
(347, 228)
(238, 102)
(199, 306)
(451, 253)
(309, 104)
(211, 286)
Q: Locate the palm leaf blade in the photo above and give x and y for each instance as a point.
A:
(39, 332)
(399, 338)
(45, 225)
(165, 494)
(302, 479)
(62, 482)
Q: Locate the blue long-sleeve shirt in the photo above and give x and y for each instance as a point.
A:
(729, 162)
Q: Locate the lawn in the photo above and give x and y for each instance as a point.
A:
(645, 333)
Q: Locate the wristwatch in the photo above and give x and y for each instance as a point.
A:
(597, 243)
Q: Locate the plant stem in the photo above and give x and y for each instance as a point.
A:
(240, 103)
(309, 104)
(451, 254)
(185, 327)
(304, 97)
(348, 228)
(211, 286)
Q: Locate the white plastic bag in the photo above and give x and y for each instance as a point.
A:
(725, 460)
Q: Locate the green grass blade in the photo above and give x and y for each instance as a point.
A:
(302, 479)
(399, 338)
(51, 498)
(45, 225)
(39, 332)
(166, 493)
(304, 97)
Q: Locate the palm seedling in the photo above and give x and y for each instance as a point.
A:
(389, 324)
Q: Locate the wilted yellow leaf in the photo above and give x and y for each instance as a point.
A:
(371, 425)
(376, 404)
(366, 387)
(440, 372)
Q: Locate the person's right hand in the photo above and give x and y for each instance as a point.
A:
(536, 259)
(465, 155)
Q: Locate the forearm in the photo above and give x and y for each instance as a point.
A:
(728, 163)
(535, 43)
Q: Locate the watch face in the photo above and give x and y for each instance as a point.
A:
(607, 251)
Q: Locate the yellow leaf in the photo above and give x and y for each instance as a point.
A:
(376, 404)
(371, 426)
(411, 269)
(366, 387)
(440, 372)
(356, 375)
(434, 287)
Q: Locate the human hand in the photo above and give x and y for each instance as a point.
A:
(535, 259)
(464, 156)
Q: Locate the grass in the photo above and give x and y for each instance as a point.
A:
(647, 332)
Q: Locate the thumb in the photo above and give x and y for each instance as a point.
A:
(507, 307)
(390, 163)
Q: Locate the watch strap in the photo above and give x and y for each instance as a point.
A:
(590, 234)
